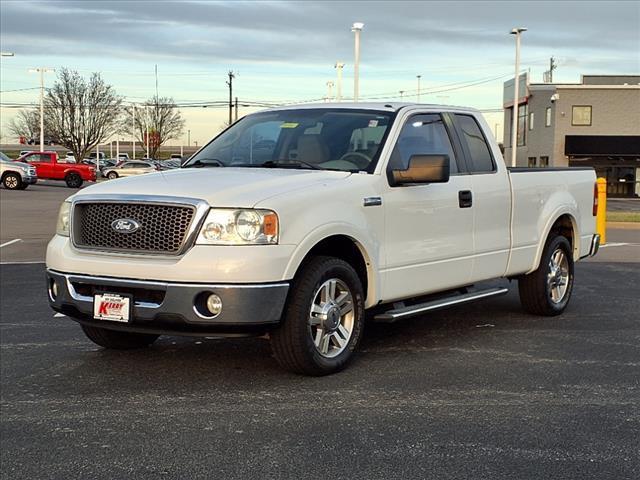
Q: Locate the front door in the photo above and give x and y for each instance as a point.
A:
(429, 231)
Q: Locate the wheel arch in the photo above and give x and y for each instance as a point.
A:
(345, 247)
(562, 223)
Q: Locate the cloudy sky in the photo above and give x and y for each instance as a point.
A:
(285, 51)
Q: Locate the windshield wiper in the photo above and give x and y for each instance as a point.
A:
(284, 162)
(205, 162)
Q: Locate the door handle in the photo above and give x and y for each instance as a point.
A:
(465, 198)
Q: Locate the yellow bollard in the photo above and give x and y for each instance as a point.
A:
(601, 217)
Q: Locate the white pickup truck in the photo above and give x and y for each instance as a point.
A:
(296, 221)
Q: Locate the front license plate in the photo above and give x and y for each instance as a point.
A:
(113, 307)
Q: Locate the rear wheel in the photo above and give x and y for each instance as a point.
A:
(117, 340)
(12, 181)
(112, 175)
(73, 180)
(547, 290)
(323, 320)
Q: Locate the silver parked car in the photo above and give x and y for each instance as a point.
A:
(127, 169)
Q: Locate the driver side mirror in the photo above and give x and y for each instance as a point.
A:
(423, 169)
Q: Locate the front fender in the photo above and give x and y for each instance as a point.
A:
(369, 250)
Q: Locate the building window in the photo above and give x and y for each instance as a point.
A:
(544, 162)
(547, 118)
(522, 124)
(532, 162)
(581, 115)
(531, 121)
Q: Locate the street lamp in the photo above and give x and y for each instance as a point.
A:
(418, 77)
(514, 115)
(356, 28)
(339, 66)
(42, 71)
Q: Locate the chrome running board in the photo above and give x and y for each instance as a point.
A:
(413, 310)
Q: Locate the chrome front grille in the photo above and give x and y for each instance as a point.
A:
(163, 228)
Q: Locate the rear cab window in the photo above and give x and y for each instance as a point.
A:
(475, 145)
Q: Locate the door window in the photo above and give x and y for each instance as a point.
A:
(38, 158)
(476, 145)
(422, 135)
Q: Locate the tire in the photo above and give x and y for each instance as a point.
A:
(116, 340)
(12, 181)
(112, 175)
(318, 343)
(73, 180)
(547, 290)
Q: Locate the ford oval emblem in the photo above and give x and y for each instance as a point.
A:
(125, 225)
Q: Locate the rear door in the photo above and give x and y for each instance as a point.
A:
(429, 232)
(491, 198)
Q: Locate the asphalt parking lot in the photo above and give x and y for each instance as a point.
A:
(483, 391)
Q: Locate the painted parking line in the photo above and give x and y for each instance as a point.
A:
(23, 263)
(11, 242)
(620, 245)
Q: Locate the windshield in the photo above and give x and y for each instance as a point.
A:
(4, 158)
(323, 138)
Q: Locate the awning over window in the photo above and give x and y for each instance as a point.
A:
(602, 145)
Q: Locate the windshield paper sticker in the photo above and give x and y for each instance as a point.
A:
(373, 123)
(289, 125)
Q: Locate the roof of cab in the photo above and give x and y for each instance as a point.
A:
(380, 106)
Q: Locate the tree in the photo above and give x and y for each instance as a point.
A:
(81, 113)
(159, 118)
(25, 124)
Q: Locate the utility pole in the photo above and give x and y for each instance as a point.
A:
(552, 66)
(236, 112)
(42, 71)
(339, 66)
(514, 120)
(418, 77)
(230, 85)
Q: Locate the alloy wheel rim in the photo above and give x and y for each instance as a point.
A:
(558, 276)
(11, 182)
(331, 318)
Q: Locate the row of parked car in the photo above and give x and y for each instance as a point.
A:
(30, 165)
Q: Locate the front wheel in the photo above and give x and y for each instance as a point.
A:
(112, 175)
(547, 290)
(12, 181)
(73, 180)
(323, 319)
(117, 340)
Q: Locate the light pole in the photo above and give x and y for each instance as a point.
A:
(401, 94)
(339, 66)
(42, 71)
(188, 138)
(516, 84)
(418, 77)
(7, 54)
(146, 123)
(356, 28)
(133, 131)
(329, 90)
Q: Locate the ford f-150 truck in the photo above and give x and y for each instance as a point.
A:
(296, 221)
(49, 166)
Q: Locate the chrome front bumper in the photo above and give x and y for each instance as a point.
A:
(168, 307)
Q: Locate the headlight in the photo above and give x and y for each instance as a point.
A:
(239, 227)
(62, 227)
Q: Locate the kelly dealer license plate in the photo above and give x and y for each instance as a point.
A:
(113, 307)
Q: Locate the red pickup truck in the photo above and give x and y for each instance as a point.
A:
(48, 166)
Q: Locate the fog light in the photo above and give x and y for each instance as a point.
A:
(214, 304)
(53, 290)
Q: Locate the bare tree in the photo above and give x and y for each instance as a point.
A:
(159, 118)
(81, 113)
(25, 124)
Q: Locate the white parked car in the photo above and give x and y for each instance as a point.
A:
(295, 221)
(16, 175)
(129, 168)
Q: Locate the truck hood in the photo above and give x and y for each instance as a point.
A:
(220, 187)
